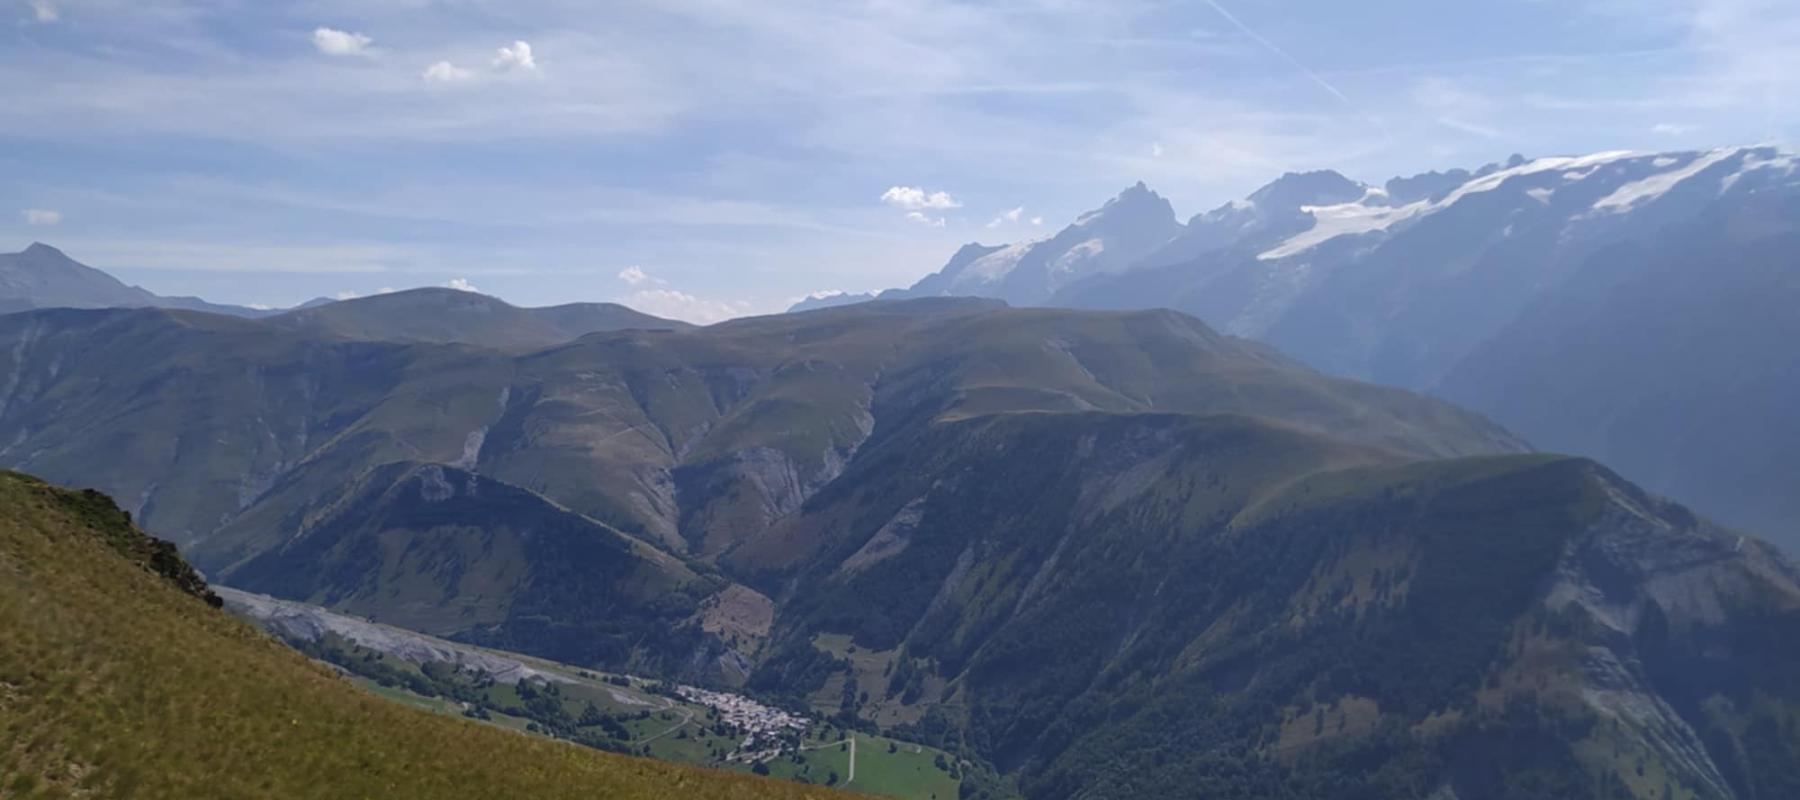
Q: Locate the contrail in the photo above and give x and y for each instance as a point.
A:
(1304, 70)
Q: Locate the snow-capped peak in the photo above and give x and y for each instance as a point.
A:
(1370, 214)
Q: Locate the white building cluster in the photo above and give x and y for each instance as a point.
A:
(759, 723)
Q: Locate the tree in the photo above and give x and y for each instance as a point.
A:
(590, 716)
(760, 768)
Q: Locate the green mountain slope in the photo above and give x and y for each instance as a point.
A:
(1114, 606)
(241, 438)
(440, 550)
(116, 682)
(450, 315)
(1114, 554)
(188, 418)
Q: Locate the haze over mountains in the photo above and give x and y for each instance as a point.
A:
(1044, 539)
(41, 276)
(1105, 550)
(1593, 304)
(452, 315)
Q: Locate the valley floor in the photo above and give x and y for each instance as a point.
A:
(620, 713)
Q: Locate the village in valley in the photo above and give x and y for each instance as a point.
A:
(768, 731)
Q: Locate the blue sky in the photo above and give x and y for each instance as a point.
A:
(706, 158)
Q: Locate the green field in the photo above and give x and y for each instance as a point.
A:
(659, 726)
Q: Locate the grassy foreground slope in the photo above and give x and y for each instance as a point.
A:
(118, 681)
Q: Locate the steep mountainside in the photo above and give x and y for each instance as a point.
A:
(1684, 379)
(1451, 282)
(116, 680)
(41, 276)
(1400, 283)
(494, 563)
(1114, 553)
(328, 470)
(1155, 606)
(449, 315)
(1101, 241)
(189, 418)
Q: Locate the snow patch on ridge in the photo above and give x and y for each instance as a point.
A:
(1631, 194)
(1352, 219)
(1753, 161)
(1067, 262)
(1345, 219)
(995, 266)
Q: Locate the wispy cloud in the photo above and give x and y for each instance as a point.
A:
(1471, 128)
(41, 217)
(727, 134)
(1009, 216)
(1305, 70)
(672, 304)
(44, 11)
(461, 285)
(633, 275)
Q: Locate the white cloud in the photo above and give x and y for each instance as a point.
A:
(517, 55)
(913, 198)
(260, 306)
(44, 11)
(514, 57)
(1007, 217)
(348, 294)
(1670, 129)
(1038, 221)
(1156, 150)
(333, 42)
(634, 275)
(446, 72)
(671, 304)
(41, 217)
(923, 219)
(462, 285)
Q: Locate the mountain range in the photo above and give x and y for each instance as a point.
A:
(1107, 551)
(41, 276)
(1110, 553)
(1594, 304)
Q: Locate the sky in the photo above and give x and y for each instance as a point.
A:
(704, 159)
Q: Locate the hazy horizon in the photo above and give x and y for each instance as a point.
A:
(700, 160)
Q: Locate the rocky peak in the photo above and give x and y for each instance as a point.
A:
(1317, 188)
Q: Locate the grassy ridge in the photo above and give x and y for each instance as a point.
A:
(114, 683)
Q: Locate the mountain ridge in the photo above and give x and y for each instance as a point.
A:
(1422, 282)
(41, 276)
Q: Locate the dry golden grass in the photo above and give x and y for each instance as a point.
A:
(115, 684)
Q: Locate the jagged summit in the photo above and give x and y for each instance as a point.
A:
(1316, 188)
